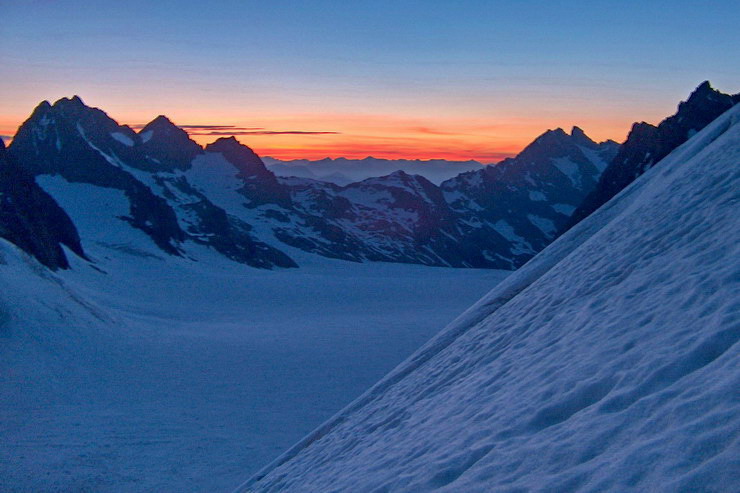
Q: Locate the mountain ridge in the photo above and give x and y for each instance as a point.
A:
(223, 195)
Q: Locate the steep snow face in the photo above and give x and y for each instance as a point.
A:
(608, 362)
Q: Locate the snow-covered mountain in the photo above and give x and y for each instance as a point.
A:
(122, 188)
(512, 210)
(609, 362)
(343, 171)
(158, 191)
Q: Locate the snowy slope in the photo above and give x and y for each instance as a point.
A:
(608, 362)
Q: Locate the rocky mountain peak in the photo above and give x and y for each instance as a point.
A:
(580, 138)
(168, 145)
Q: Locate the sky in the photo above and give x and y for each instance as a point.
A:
(456, 79)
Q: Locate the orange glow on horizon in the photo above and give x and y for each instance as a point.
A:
(359, 147)
(356, 136)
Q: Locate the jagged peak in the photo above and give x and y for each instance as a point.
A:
(73, 101)
(704, 86)
(580, 137)
(162, 124)
(161, 120)
(642, 127)
(41, 109)
(549, 136)
(704, 93)
(226, 143)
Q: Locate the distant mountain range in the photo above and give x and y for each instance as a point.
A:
(74, 178)
(343, 171)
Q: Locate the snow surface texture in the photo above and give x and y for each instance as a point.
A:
(608, 363)
(166, 374)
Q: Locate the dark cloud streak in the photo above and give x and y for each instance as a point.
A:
(218, 127)
(263, 132)
(234, 130)
(139, 126)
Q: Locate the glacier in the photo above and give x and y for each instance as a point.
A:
(142, 371)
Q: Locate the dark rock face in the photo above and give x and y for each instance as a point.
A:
(261, 186)
(394, 218)
(512, 210)
(210, 225)
(74, 141)
(167, 146)
(647, 144)
(31, 219)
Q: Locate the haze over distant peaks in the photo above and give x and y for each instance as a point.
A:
(342, 171)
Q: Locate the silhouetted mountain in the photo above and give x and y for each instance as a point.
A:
(31, 219)
(647, 144)
(168, 146)
(76, 142)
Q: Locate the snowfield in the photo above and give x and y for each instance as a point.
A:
(607, 363)
(146, 372)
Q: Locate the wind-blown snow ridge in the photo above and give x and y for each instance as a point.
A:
(608, 362)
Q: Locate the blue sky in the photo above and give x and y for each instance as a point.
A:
(452, 66)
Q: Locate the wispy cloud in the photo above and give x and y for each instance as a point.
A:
(236, 130)
(196, 128)
(432, 131)
(217, 127)
(264, 132)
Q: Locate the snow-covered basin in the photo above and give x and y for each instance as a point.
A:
(167, 374)
(609, 362)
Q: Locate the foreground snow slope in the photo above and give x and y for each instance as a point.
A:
(608, 362)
